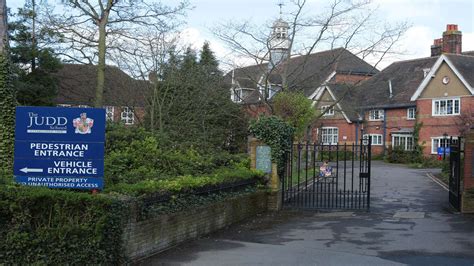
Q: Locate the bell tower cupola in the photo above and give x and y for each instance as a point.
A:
(279, 41)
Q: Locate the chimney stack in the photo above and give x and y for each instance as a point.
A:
(436, 48)
(450, 43)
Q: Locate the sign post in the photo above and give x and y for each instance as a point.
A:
(444, 151)
(60, 147)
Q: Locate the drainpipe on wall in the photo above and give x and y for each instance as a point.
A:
(357, 133)
(384, 132)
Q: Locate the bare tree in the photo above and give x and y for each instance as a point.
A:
(145, 61)
(91, 30)
(348, 24)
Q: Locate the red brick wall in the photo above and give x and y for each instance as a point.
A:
(396, 119)
(436, 126)
(468, 161)
(345, 129)
(254, 110)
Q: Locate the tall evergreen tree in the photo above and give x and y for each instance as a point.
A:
(208, 60)
(197, 109)
(34, 62)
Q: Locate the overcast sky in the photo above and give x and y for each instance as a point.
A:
(428, 19)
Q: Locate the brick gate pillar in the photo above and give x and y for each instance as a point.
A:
(468, 184)
(260, 159)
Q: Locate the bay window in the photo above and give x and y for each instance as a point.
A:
(403, 141)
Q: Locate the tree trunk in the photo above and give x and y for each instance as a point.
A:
(33, 36)
(3, 26)
(99, 91)
(152, 111)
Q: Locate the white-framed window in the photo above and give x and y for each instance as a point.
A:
(376, 139)
(64, 105)
(442, 107)
(329, 135)
(127, 116)
(327, 111)
(403, 141)
(109, 113)
(376, 115)
(411, 113)
(437, 142)
(83, 106)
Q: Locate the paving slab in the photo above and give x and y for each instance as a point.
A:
(409, 215)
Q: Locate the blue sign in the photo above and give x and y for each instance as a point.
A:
(60, 147)
(442, 150)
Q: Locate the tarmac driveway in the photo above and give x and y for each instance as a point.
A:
(410, 223)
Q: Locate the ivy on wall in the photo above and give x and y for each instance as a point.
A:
(7, 115)
(276, 133)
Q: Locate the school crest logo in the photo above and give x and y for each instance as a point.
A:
(83, 124)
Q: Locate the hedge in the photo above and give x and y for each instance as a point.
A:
(45, 226)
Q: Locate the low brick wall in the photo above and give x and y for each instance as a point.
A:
(151, 236)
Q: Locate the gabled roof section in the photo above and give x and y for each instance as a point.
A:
(461, 65)
(404, 76)
(77, 84)
(305, 72)
(338, 93)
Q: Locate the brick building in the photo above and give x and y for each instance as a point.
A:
(436, 92)
(307, 73)
(124, 97)
(358, 101)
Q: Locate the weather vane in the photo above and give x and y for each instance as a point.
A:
(280, 4)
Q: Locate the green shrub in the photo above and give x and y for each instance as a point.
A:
(277, 134)
(133, 155)
(44, 226)
(399, 155)
(295, 109)
(186, 183)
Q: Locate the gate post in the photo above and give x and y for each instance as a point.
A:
(260, 159)
(467, 202)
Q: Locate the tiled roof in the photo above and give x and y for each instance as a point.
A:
(305, 73)
(77, 85)
(347, 93)
(465, 65)
(404, 76)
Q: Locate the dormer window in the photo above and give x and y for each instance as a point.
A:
(376, 115)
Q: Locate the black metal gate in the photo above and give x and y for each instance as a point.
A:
(455, 173)
(320, 176)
